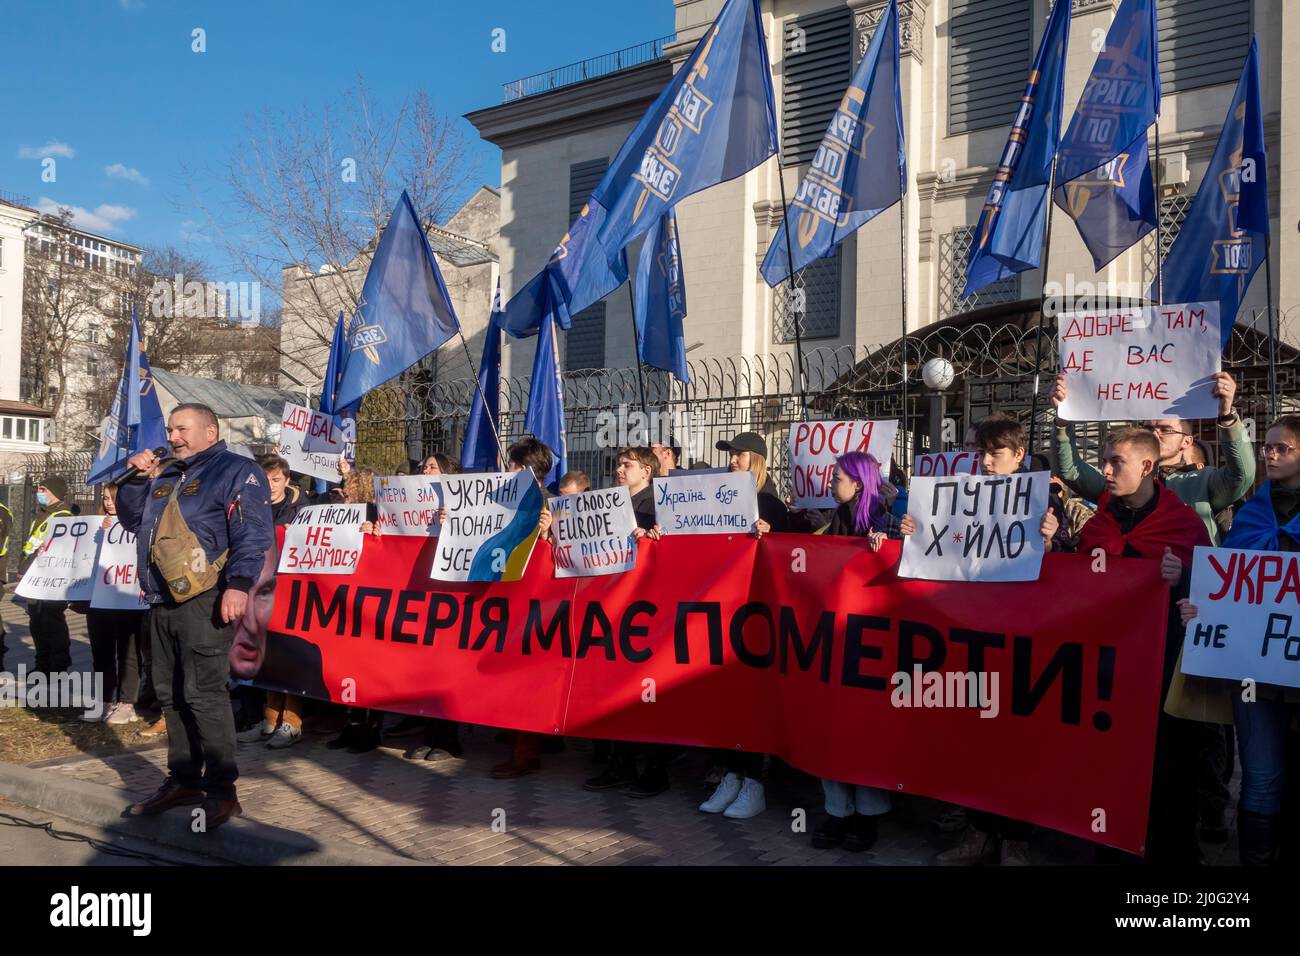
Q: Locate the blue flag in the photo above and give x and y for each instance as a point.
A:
(480, 451)
(661, 300)
(135, 422)
(1225, 236)
(1009, 237)
(404, 312)
(345, 419)
(713, 121)
(860, 167)
(545, 416)
(1103, 174)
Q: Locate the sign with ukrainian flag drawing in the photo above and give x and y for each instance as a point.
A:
(491, 526)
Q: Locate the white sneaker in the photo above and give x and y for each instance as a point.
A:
(257, 733)
(723, 795)
(123, 713)
(750, 802)
(286, 735)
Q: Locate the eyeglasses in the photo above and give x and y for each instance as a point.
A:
(1167, 430)
(1281, 451)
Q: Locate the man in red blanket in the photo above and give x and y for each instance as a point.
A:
(1138, 517)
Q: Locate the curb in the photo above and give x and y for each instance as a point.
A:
(240, 841)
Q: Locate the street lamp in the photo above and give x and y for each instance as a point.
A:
(938, 375)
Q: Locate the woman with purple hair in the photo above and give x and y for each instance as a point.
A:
(864, 500)
(863, 512)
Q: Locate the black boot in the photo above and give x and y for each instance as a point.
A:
(1258, 838)
(368, 734)
(862, 833)
(831, 833)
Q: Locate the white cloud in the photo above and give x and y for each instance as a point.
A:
(129, 173)
(52, 148)
(104, 218)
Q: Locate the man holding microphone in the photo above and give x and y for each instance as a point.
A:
(202, 521)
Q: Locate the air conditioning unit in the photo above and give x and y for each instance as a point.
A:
(1174, 175)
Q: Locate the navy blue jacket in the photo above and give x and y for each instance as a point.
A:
(229, 509)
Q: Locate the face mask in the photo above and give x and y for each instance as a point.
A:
(42, 498)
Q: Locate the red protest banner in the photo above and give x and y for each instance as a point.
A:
(790, 646)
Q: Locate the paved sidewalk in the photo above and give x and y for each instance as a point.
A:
(454, 812)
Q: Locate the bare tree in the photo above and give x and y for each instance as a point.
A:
(316, 188)
(62, 296)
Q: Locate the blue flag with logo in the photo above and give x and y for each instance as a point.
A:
(480, 451)
(1103, 173)
(661, 300)
(714, 121)
(544, 418)
(135, 422)
(345, 419)
(1009, 237)
(404, 312)
(860, 167)
(1225, 236)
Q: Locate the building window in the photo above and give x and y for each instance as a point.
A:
(6, 427)
(20, 429)
(584, 344)
(989, 55)
(954, 256)
(92, 366)
(816, 67)
(813, 305)
(1202, 42)
(94, 335)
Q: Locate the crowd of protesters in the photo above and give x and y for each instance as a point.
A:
(1153, 494)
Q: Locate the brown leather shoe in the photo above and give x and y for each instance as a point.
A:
(218, 812)
(157, 729)
(170, 794)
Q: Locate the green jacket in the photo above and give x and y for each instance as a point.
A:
(1208, 490)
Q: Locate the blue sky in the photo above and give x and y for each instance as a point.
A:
(112, 90)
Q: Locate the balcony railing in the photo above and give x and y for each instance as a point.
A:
(602, 65)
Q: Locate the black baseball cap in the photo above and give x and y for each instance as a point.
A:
(745, 441)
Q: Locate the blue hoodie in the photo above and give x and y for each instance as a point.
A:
(224, 499)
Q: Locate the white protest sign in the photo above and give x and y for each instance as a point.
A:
(297, 427)
(976, 527)
(594, 533)
(675, 472)
(491, 526)
(1247, 624)
(321, 438)
(943, 463)
(408, 504)
(706, 504)
(814, 446)
(323, 539)
(116, 585)
(1141, 363)
(64, 566)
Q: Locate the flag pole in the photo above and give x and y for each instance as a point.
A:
(492, 328)
(789, 258)
(1160, 229)
(1042, 308)
(1273, 330)
(636, 344)
(902, 271)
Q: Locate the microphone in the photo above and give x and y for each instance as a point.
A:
(160, 452)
